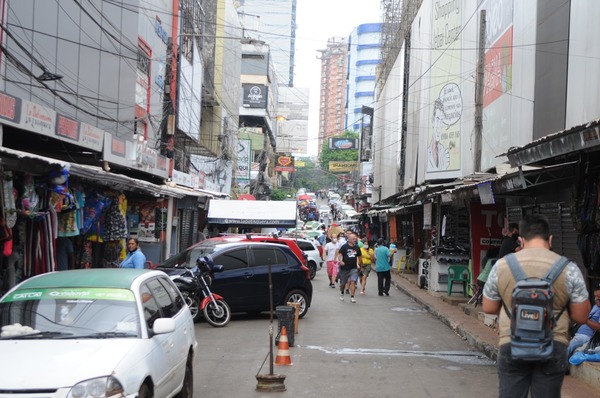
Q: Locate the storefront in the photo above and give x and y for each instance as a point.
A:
(51, 209)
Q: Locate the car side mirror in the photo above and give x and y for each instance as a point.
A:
(218, 268)
(163, 325)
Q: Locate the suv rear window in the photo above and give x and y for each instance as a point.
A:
(305, 246)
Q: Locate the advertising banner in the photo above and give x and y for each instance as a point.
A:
(243, 160)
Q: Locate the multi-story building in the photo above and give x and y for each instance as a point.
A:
(332, 101)
(274, 22)
(364, 56)
(292, 120)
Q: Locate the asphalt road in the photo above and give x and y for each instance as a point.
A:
(378, 347)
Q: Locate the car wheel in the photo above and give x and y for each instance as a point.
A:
(187, 391)
(145, 391)
(298, 296)
(312, 267)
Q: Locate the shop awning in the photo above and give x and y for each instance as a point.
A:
(25, 161)
(582, 137)
(119, 182)
(184, 191)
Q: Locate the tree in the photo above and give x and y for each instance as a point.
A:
(343, 155)
(313, 178)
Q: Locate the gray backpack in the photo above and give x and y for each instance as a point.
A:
(532, 318)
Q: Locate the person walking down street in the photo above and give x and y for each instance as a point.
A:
(135, 258)
(382, 267)
(350, 260)
(367, 258)
(542, 379)
(586, 331)
(331, 261)
(510, 241)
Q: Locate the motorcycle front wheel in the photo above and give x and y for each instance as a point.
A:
(217, 313)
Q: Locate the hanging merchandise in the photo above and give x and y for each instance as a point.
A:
(95, 204)
(70, 216)
(9, 207)
(115, 226)
(30, 200)
(6, 239)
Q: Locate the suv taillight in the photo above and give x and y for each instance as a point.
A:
(306, 271)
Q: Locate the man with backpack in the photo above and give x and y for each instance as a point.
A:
(536, 293)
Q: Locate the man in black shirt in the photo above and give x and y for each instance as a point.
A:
(510, 241)
(350, 261)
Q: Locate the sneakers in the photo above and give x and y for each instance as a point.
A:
(347, 291)
(352, 300)
(362, 292)
(386, 293)
(332, 285)
(342, 297)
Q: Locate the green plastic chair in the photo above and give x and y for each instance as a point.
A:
(458, 273)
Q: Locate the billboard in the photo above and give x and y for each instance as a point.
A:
(343, 143)
(243, 160)
(255, 96)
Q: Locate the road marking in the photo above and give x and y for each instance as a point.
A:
(463, 357)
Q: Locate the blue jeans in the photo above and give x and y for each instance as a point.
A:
(543, 378)
(577, 341)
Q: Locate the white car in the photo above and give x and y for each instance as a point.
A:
(97, 333)
(315, 261)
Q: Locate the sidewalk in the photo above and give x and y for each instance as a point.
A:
(485, 338)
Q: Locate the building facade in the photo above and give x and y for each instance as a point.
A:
(364, 56)
(274, 22)
(332, 100)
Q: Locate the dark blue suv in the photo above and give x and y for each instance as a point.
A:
(244, 282)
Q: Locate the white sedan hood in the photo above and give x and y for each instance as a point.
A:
(46, 364)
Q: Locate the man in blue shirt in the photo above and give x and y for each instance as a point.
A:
(586, 331)
(135, 258)
(382, 267)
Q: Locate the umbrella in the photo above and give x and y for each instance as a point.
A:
(304, 197)
(246, 196)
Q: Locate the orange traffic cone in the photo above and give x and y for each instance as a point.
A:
(283, 349)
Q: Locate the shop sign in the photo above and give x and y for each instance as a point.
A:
(255, 96)
(284, 163)
(342, 167)
(181, 178)
(45, 121)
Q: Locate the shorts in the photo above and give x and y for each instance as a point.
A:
(332, 268)
(366, 270)
(351, 274)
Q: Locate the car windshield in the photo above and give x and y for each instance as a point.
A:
(63, 313)
(188, 257)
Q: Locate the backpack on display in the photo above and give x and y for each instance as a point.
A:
(532, 318)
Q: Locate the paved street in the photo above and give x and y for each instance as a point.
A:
(378, 347)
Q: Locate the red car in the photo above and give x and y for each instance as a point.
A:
(290, 242)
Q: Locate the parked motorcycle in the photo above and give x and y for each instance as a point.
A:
(194, 285)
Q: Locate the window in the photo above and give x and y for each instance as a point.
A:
(264, 256)
(305, 246)
(233, 259)
(178, 303)
(166, 304)
(151, 308)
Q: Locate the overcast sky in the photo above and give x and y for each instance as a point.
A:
(318, 20)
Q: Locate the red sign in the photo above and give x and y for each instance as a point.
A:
(118, 147)
(284, 163)
(486, 232)
(10, 108)
(67, 128)
(498, 68)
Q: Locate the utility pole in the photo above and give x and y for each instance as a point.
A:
(479, 93)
